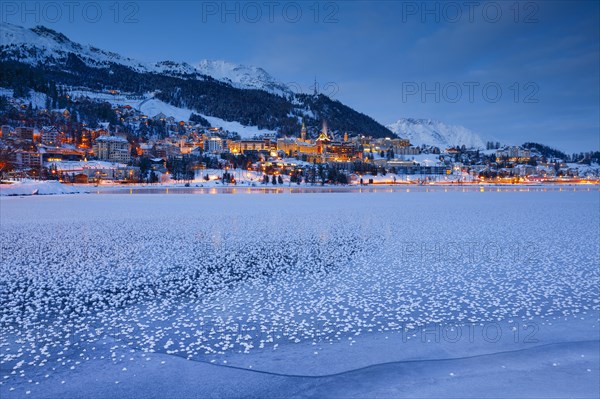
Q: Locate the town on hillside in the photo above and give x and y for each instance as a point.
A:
(131, 147)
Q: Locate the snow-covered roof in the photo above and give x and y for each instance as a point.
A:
(80, 165)
(112, 138)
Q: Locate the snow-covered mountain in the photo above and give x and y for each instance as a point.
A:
(44, 45)
(435, 133)
(241, 76)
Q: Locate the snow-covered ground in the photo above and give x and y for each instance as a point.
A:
(36, 187)
(420, 294)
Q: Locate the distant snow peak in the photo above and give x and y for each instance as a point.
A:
(242, 76)
(435, 133)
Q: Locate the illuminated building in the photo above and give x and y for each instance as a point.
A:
(26, 159)
(112, 148)
(241, 146)
(214, 145)
(50, 136)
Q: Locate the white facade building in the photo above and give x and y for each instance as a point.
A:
(113, 149)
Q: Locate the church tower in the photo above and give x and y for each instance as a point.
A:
(323, 136)
(323, 140)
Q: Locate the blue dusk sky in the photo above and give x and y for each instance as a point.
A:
(510, 71)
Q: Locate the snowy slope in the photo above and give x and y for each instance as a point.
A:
(37, 100)
(154, 107)
(245, 132)
(151, 107)
(435, 133)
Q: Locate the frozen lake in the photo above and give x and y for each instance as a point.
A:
(445, 292)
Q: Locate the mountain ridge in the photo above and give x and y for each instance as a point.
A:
(58, 46)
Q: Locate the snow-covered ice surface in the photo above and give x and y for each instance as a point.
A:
(420, 294)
